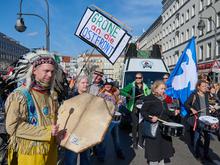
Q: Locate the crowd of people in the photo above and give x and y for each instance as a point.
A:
(31, 113)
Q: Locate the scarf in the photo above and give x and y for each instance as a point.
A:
(40, 86)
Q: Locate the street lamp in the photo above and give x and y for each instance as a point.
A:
(201, 27)
(20, 26)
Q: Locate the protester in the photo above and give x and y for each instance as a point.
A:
(204, 77)
(198, 105)
(97, 82)
(108, 92)
(31, 111)
(213, 98)
(70, 157)
(134, 92)
(168, 99)
(172, 104)
(159, 148)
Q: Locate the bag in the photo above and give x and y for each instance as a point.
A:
(150, 129)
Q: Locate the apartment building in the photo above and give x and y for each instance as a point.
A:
(177, 23)
(10, 51)
(94, 61)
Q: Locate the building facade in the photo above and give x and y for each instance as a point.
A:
(99, 61)
(10, 51)
(179, 22)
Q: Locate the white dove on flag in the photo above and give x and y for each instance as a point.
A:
(181, 81)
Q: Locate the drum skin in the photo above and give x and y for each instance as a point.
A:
(170, 130)
(209, 123)
(86, 119)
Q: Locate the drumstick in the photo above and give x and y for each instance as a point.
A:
(135, 96)
(163, 121)
(139, 95)
(70, 112)
(199, 111)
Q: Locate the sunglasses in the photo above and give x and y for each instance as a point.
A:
(138, 77)
(165, 77)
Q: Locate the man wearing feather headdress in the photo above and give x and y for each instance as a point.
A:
(31, 110)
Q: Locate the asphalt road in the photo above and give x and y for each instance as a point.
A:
(183, 154)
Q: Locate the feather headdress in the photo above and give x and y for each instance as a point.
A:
(24, 68)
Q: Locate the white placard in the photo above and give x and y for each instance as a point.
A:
(102, 33)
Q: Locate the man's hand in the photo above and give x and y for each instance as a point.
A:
(177, 112)
(194, 112)
(61, 135)
(54, 130)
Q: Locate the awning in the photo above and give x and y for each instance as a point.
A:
(216, 67)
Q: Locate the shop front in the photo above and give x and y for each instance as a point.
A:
(212, 69)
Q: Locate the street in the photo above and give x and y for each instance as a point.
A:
(183, 155)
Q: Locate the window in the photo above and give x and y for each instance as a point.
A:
(201, 52)
(177, 39)
(173, 25)
(209, 24)
(177, 4)
(218, 48)
(187, 34)
(176, 58)
(200, 32)
(177, 22)
(193, 31)
(164, 18)
(208, 2)
(187, 15)
(201, 4)
(181, 2)
(218, 19)
(208, 50)
(170, 28)
(193, 10)
(172, 60)
(181, 37)
(182, 19)
(170, 44)
(168, 61)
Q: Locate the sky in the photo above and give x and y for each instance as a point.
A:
(65, 16)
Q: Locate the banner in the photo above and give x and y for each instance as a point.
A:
(102, 33)
(183, 79)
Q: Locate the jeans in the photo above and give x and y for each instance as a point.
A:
(1, 104)
(115, 137)
(137, 128)
(70, 157)
(197, 137)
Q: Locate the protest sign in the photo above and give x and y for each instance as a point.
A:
(103, 33)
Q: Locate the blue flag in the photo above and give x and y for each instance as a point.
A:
(183, 79)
